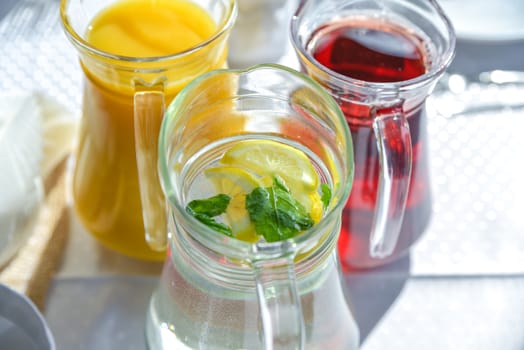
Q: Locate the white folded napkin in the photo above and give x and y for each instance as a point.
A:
(35, 133)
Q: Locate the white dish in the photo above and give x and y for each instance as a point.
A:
(22, 326)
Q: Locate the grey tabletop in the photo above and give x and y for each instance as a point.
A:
(461, 287)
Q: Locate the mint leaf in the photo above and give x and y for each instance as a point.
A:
(205, 209)
(211, 206)
(326, 195)
(290, 212)
(277, 215)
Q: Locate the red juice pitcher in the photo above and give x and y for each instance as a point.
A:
(379, 59)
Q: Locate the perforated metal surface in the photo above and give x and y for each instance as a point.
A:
(447, 313)
(476, 168)
(35, 55)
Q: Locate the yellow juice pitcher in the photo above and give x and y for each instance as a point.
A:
(136, 55)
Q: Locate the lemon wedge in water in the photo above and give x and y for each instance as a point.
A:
(267, 158)
(237, 183)
(270, 158)
(254, 163)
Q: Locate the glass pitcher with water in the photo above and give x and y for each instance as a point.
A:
(229, 291)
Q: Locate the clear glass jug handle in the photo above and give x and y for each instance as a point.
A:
(395, 157)
(149, 106)
(279, 302)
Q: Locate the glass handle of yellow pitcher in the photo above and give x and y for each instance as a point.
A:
(279, 303)
(149, 106)
(395, 158)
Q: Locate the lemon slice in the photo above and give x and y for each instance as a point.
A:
(270, 158)
(267, 158)
(237, 183)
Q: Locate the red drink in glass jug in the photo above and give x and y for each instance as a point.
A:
(366, 51)
(377, 52)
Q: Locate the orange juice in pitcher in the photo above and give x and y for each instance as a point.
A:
(126, 48)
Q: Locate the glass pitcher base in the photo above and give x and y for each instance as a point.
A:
(184, 314)
(159, 335)
(162, 336)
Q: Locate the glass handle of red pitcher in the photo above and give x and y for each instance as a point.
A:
(279, 304)
(149, 109)
(395, 157)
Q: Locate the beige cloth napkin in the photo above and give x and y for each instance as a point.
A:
(45, 229)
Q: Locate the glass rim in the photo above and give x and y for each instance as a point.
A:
(340, 79)
(78, 40)
(234, 247)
